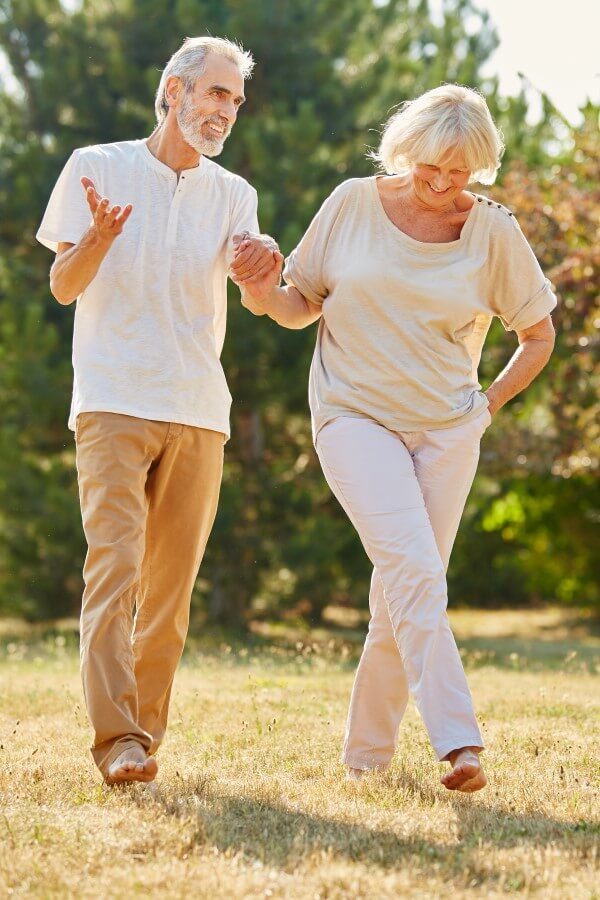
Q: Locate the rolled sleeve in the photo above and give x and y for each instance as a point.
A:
(520, 294)
(534, 310)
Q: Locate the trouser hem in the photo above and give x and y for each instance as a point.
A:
(448, 747)
(365, 762)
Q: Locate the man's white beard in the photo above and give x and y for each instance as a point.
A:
(190, 127)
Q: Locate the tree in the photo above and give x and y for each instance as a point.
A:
(327, 76)
(535, 509)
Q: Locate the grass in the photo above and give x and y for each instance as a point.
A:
(251, 799)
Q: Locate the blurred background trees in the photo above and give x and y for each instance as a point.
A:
(327, 76)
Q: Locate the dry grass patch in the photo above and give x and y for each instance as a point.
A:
(251, 799)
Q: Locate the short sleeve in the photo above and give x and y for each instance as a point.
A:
(244, 216)
(520, 294)
(305, 266)
(67, 216)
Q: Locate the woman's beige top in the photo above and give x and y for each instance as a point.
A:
(404, 321)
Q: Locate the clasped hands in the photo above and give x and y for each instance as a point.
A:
(256, 265)
(257, 262)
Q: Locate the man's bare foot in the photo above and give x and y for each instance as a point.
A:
(467, 774)
(354, 775)
(132, 765)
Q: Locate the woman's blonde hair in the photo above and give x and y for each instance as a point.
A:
(429, 128)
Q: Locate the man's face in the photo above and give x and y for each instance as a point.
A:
(207, 113)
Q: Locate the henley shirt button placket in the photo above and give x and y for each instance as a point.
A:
(174, 215)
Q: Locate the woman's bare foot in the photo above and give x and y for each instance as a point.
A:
(132, 765)
(358, 775)
(467, 774)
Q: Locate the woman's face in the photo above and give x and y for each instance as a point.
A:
(436, 186)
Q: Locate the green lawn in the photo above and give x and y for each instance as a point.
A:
(251, 799)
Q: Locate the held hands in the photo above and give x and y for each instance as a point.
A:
(257, 264)
(108, 222)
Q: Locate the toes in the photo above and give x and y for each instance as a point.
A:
(151, 766)
(354, 775)
(466, 778)
(474, 784)
(132, 769)
(123, 769)
(449, 783)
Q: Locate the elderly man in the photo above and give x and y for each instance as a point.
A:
(145, 232)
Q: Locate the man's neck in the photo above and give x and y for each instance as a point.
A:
(167, 145)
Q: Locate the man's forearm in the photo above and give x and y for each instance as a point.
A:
(75, 268)
(285, 305)
(525, 364)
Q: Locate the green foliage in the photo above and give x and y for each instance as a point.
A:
(528, 539)
(327, 76)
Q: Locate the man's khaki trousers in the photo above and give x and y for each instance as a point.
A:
(148, 493)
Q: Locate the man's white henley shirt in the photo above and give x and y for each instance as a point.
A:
(149, 328)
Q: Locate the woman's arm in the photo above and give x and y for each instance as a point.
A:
(288, 306)
(261, 293)
(535, 348)
(285, 305)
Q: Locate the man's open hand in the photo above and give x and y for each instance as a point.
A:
(108, 221)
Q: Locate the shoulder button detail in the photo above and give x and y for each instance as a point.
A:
(497, 205)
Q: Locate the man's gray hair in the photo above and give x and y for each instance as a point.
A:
(189, 63)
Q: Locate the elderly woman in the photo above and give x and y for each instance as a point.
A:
(405, 272)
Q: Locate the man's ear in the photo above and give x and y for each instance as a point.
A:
(173, 89)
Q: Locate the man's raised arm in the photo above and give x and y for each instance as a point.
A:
(76, 265)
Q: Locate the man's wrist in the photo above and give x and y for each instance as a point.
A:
(94, 239)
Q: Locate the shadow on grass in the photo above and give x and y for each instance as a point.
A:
(267, 831)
